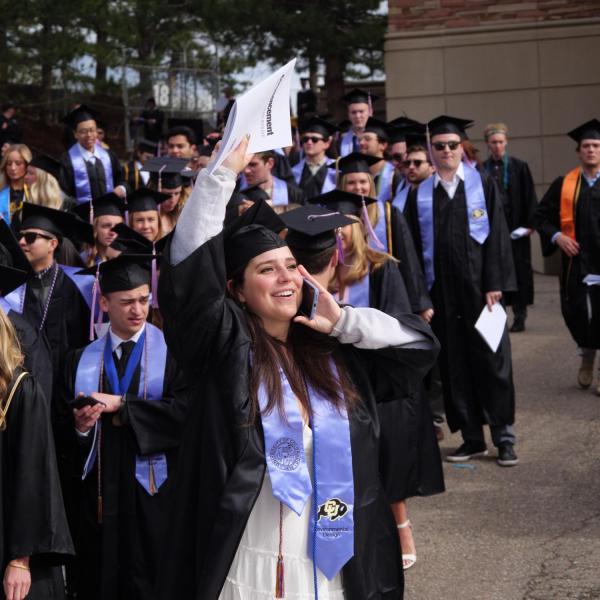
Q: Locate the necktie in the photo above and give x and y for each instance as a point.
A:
(126, 350)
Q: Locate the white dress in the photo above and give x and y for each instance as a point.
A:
(253, 571)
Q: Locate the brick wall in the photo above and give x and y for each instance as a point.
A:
(423, 15)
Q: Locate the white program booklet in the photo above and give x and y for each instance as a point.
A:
(519, 232)
(263, 113)
(491, 325)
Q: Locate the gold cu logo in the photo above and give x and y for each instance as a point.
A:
(478, 213)
(332, 509)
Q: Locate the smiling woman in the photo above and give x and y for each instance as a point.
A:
(262, 509)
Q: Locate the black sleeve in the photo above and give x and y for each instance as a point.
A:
(36, 524)
(66, 177)
(157, 425)
(388, 291)
(295, 194)
(528, 196)
(117, 171)
(547, 216)
(498, 265)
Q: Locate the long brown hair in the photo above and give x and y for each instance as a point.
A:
(10, 354)
(307, 358)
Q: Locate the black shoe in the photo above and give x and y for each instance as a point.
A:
(467, 451)
(507, 456)
(518, 325)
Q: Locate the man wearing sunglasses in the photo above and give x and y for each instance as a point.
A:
(459, 228)
(312, 174)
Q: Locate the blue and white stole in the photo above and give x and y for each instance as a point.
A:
(399, 200)
(328, 184)
(384, 182)
(150, 353)
(380, 229)
(349, 143)
(331, 534)
(358, 294)
(479, 224)
(83, 190)
(84, 283)
(279, 195)
(5, 203)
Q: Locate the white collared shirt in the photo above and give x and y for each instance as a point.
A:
(87, 155)
(451, 186)
(314, 169)
(144, 175)
(116, 341)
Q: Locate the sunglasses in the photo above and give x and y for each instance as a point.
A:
(31, 237)
(439, 146)
(417, 163)
(311, 138)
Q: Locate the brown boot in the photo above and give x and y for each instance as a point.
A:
(586, 374)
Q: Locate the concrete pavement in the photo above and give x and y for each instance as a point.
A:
(530, 532)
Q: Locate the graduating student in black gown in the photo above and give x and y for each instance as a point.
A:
(121, 520)
(209, 334)
(34, 537)
(568, 218)
(466, 274)
(514, 180)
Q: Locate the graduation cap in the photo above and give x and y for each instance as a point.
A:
(147, 146)
(378, 127)
(109, 204)
(130, 241)
(252, 233)
(588, 131)
(399, 129)
(318, 125)
(446, 124)
(46, 163)
(416, 136)
(358, 96)
(403, 123)
(123, 273)
(355, 162)
(312, 228)
(346, 203)
(254, 193)
(165, 171)
(11, 253)
(145, 199)
(79, 115)
(56, 222)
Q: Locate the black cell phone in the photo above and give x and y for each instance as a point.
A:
(310, 299)
(82, 401)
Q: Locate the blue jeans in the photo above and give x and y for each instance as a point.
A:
(501, 434)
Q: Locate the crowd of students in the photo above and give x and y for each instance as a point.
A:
(176, 422)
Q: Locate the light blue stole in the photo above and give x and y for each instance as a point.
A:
(401, 196)
(280, 192)
(384, 182)
(347, 144)
(83, 190)
(5, 203)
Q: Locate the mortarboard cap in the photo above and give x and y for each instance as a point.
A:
(130, 241)
(56, 222)
(318, 125)
(123, 273)
(446, 124)
(46, 163)
(355, 162)
(109, 204)
(145, 199)
(587, 131)
(254, 193)
(378, 127)
(252, 233)
(312, 228)
(343, 202)
(358, 96)
(79, 115)
(147, 146)
(165, 171)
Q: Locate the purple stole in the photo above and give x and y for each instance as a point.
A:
(328, 184)
(347, 144)
(479, 224)
(280, 192)
(384, 182)
(83, 190)
(148, 469)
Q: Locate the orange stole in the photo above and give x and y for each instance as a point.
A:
(569, 194)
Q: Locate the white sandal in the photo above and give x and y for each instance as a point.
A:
(408, 560)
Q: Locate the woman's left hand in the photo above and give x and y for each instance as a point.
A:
(328, 311)
(17, 580)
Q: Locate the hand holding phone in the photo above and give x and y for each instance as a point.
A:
(82, 401)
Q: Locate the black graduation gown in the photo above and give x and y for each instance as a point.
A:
(66, 176)
(477, 383)
(311, 184)
(403, 248)
(575, 296)
(119, 559)
(222, 462)
(295, 194)
(409, 461)
(32, 515)
(519, 202)
(36, 350)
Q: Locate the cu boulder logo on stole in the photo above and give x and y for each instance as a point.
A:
(478, 213)
(285, 454)
(332, 509)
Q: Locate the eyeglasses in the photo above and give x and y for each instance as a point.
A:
(439, 146)
(417, 163)
(311, 138)
(89, 131)
(31, 237)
